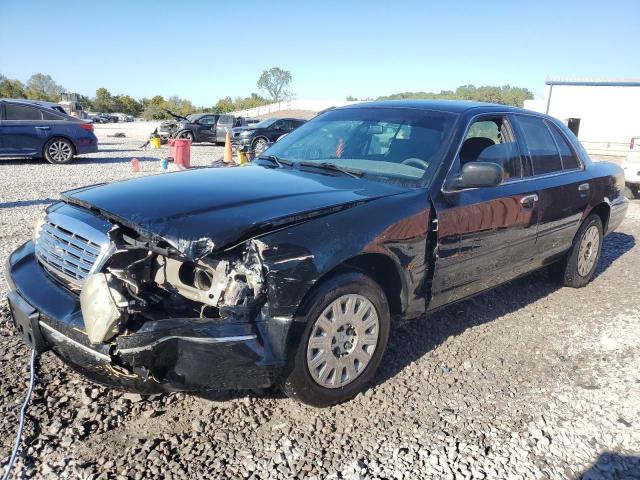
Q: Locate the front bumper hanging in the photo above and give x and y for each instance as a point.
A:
(187, 354)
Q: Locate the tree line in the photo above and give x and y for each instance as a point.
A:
(274, 82)
(42, 87)
(505, 95)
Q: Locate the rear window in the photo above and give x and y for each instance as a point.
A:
(542, 147)
(13, 111)
(569, 161)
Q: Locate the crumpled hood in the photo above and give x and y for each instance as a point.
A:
(203, 210)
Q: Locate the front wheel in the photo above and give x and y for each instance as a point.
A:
(346, 330)
(577, 268)
(259, 146)
(58, 151)
(186, 135)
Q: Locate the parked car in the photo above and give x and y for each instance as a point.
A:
(291, 270)
(257, 136)
(201, 127)
(33, 129)
(631, 168)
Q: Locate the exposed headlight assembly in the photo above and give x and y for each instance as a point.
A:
(102, 307)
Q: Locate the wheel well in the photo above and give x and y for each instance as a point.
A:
(383, 271)
(379, 268)
(73, 145)
(603, 210)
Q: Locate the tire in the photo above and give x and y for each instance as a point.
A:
(259, 145)
(58, 151)
(631, 191)
(186, 135)
(577, 267)
(356, 350)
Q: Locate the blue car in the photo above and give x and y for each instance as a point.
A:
(35, 130)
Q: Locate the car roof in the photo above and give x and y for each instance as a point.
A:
(41, 103)
(452, 106)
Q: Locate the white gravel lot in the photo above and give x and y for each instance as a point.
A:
(526, 382)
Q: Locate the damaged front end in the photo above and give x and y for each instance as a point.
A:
(150, 318)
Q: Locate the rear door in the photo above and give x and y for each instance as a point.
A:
(564, 186)
(24, 131)
(486, 236)
(224, 126)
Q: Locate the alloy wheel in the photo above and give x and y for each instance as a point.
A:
(342, 341)
(60, 151)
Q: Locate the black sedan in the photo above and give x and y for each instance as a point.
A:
(257, 136)
(291, 271)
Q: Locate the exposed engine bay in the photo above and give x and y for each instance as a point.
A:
(146, 280)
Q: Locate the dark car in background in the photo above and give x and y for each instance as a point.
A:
(257, 136)
(35, 129)
(292, 269)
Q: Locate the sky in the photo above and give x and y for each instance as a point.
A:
(207, 50)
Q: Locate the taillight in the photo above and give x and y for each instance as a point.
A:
(87, 126)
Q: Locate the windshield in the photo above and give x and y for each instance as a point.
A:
(264, 123)
(395, 143)
(193, 117)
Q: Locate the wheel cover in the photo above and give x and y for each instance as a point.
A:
(588, 252)
(60, 151)
(342, 341)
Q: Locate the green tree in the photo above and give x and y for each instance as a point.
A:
(351, 98)
(11, 88)
(275, 81)
(128, 105)
(42, 87)
(103, 101)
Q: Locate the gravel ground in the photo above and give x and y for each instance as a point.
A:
(527, 381)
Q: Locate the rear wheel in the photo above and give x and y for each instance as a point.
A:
(345, 335)
(631, 191)
(58, 150)
(577, 268)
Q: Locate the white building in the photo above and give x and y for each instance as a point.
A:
(604, 113)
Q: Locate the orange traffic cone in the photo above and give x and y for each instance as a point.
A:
(228, 158)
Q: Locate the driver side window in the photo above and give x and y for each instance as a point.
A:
(491, 140)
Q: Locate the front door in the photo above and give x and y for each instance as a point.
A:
(486, 236)
(207, 128)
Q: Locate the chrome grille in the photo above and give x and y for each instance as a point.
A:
(70, 249)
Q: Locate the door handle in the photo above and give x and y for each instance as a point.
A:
(529, 201)
(43, 128)
(583, 188)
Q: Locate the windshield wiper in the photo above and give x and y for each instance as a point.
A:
(277, 160)
(352, 172)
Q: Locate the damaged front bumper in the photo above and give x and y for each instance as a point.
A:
(185, 354)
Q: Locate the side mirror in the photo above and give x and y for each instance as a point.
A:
(478, 175)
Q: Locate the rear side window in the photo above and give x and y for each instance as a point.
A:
(225, 120)
(542, 147)
(569, 161)
(51, 116)
(14, 111)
